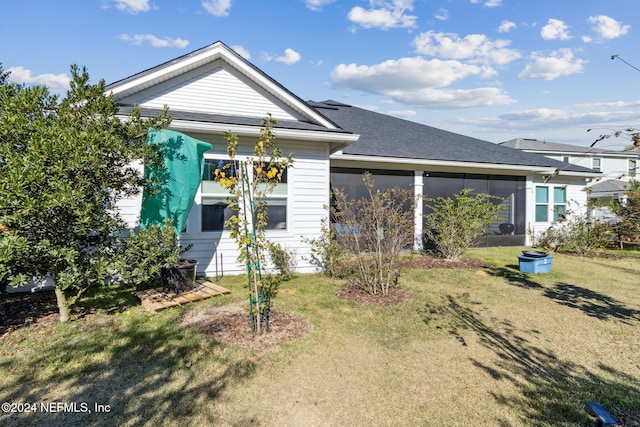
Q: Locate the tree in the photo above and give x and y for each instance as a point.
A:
(374, 230)
(249, 182)
(64, 164)
(457, 221)
(629, 212)
(629, 133)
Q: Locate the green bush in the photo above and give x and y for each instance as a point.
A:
(146, 252)
(283, 259)
(574, 234)
(326, 253)
(456, 222)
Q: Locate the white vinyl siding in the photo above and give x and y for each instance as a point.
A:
(213, 89)
(307, 194)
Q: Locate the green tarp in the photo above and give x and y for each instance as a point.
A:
(173, 183)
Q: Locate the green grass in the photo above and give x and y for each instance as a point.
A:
(469, 347)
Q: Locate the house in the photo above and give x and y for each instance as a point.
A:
(617, 167)
(620, 166)
(214, 90)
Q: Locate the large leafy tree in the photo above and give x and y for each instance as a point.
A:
(64, 164)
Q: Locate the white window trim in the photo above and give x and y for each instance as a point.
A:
(243, 158)
(550, 203)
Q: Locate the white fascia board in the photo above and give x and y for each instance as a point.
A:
(582, 174)
(125, 89)
(445, 163)
(243, 130)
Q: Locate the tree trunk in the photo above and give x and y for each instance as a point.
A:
(63, 305)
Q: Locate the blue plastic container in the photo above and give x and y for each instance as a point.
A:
(535, 265)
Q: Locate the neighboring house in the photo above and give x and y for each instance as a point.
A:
(617, 167)
(214, 90)
(621, 166)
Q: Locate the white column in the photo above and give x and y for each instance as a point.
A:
(417, 191)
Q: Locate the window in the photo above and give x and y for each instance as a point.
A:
(559, 203)
(542, 204)
(596, 164)
(565, 158)
(632, 167)
(215, 210)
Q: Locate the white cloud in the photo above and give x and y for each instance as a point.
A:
(401, 74)
(241, 51)
(415, 81)
(132, 6)
(555, 30)
(587, 39)
(608, 28)
(55, 82)
(217, 7)
(560, 63)
(290, 57)
(489, 3)
(455, 98)
(402, 113)
(506, 26)
(473, 47)
(317, 5)
(138, 39)
(388, 14)
(442, 14)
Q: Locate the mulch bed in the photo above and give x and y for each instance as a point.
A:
(354, 292)
(233, 328)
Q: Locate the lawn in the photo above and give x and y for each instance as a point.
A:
(485, 346)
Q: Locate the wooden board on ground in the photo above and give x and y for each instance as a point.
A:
(157, 299)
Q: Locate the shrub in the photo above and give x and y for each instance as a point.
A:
(629, 213)
(574, 234)
(326, 253)
(146, 252)
(457, 221)
(283, 259)
(374, 230)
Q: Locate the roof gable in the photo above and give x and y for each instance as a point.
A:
(214, 80)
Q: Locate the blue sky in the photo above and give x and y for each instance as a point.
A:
(492, 69)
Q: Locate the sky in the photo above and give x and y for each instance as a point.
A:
(490, 69)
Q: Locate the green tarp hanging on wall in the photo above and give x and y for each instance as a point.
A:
(174, 182)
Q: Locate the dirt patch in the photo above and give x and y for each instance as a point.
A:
(231, 326)
(353, 292)
(25, 309)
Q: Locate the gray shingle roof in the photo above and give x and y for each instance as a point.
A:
(537, 145)
(232, 120)
(608, 186)
(387, 136)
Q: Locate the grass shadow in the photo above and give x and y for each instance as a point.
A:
(110, 299)
(147, 372)
(513, 275)
(591, 303)
(552, 391)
